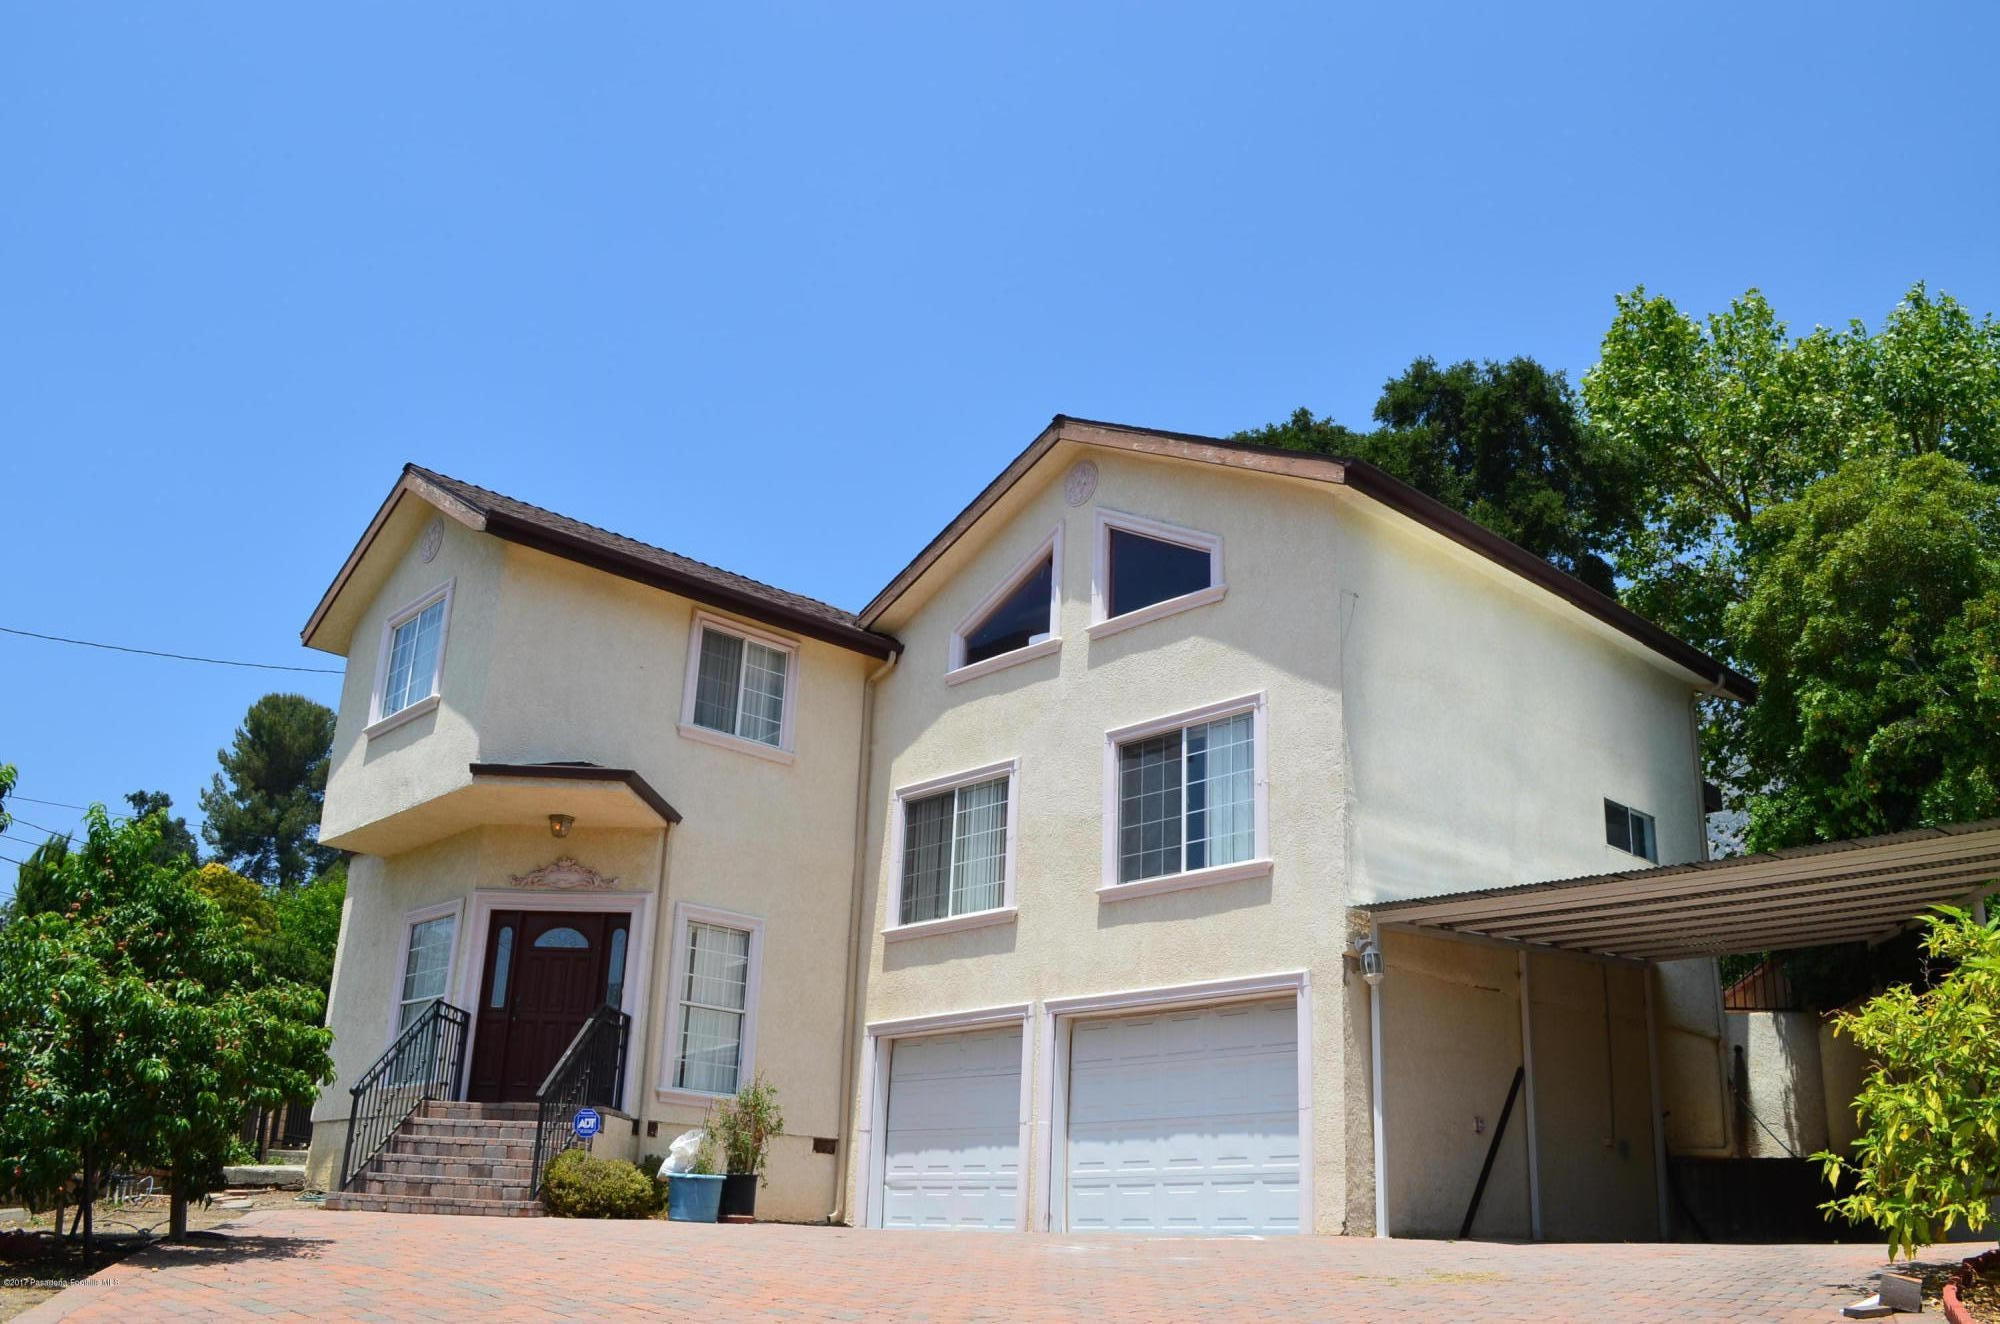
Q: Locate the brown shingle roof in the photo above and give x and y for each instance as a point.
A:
(559, 535)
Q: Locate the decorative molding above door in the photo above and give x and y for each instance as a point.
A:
(564, 874)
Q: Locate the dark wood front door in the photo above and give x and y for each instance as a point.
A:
(546, 971)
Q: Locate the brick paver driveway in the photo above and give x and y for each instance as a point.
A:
(328, 1266)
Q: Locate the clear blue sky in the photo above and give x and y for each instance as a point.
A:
(781, 287)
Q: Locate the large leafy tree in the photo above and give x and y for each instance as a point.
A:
(136, 1026)
(1928, 1156)
(263, 808)
(1871, 619)
(1504, 443)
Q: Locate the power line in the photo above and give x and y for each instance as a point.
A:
(54, 804)
(40, 827)
(178, 657)
(11, 860)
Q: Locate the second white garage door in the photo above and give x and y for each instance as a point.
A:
(1185, 1121)
(952, 1144)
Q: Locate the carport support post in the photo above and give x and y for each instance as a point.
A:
(1375, 1092)
(1528, 1071)
(1659, 1120)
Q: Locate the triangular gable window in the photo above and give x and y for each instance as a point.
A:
(1019, 619)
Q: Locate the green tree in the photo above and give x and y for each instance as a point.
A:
(1928, 1156)
(1872, 622)
(1503, 443)
(175, 839)
(242, 899)
(35, 886)
(136, 1026)
(307, 927)
(263, 808)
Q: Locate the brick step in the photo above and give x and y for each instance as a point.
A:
(463, 1149)
(485, 1112)
(417, 1204)
(419, 1165)
(431, 1186)
(470, 1126)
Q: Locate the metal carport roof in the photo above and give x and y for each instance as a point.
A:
(1843, 891)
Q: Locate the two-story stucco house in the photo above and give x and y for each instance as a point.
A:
(1033, 885)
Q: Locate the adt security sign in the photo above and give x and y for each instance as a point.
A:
(586, 1123)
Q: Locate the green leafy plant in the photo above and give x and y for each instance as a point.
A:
(744, 1126)
(1928, 1156)
(578, 1184)
(707, 1159)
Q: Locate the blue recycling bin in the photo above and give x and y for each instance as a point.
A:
(693, 1197)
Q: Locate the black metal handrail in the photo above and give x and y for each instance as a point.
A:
(424, 1063)
(590, 1074)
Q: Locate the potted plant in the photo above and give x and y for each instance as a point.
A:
(693, 1196)
(743, 1127)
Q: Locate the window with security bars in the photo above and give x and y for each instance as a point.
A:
(1187, 799)
(740, 688)
(955, 852)
(713, 1002)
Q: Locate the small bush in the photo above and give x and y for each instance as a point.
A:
(578, 1184)
(745, 1125)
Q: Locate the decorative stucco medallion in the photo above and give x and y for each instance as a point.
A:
(1080, 482)
(433, 538)
(565, 875)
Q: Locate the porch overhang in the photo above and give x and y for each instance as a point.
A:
(517, 795)
(1861, 890)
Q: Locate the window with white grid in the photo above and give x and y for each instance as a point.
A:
(741, 686)
(714, 1004)
(1187, 798)
(955, 850)
(411, 662)
(426, 967)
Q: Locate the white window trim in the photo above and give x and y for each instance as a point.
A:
(456, 910)
(378, 721)
(637, 999)
(1003, 913)
(1059, 1019)
(1259, 863)
(686, 914)
(873, 1118)
(957, 671)
(1101, 622)
(781, 752)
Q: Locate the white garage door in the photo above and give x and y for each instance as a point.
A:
(1185, 1121)
(952, 1146)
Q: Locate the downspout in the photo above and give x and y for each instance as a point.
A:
(1376, 1095)
(851, 995)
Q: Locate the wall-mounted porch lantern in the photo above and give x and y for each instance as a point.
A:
(560, 824)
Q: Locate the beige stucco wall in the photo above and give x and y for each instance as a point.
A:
(1843, 1070)
(1272, 633)
(566, 663)
(1488, 726)
(1694, 1058)
(1787, 1090)
(371, 778)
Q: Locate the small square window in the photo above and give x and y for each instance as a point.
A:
(1187, 798)
(1630, 831)
(955, 851)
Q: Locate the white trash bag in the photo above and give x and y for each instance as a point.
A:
(682, 1153)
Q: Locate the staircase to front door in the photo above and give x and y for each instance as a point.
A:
(452, 1158)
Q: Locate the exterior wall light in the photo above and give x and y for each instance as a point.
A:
(1372, 966)
(560, 824)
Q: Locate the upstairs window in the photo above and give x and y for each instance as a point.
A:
(1186, 795)
(1022, 618)
(741, 684)
(1630, 831)
(1016, 621)
(1146, 570)
(956, 847)
(412, 660)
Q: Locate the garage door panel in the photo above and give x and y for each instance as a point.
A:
(1185, 1121)
(952, 1145)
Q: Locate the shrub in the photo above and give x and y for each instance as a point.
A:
(578, 1184)
(743, 1126)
